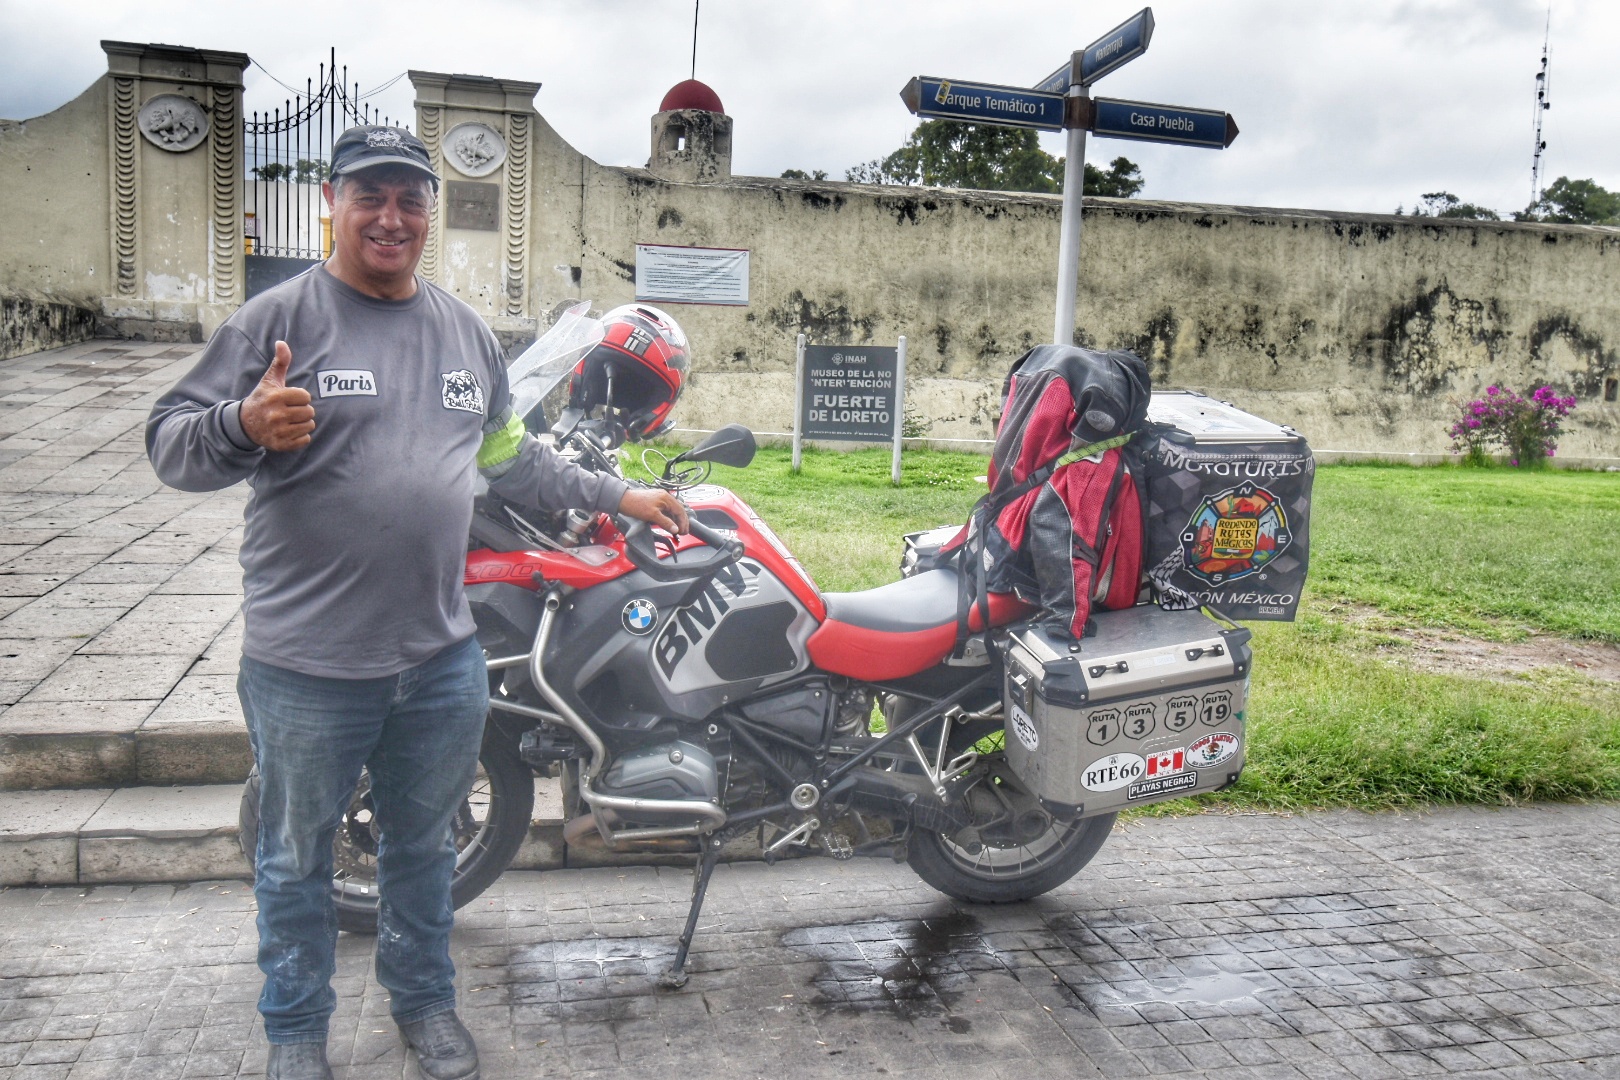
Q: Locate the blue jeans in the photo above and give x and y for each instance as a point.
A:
(418, 732)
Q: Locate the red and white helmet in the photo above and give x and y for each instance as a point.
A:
(636, 373)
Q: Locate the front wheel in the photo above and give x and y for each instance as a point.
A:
(489, 826)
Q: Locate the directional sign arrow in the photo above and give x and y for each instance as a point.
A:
(1161, 123)
(1116, 48)
(983, 103)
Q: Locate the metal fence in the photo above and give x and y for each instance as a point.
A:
(288, 152)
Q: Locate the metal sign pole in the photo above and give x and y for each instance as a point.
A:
(798, 406)
(1074, 183)
(899, 407)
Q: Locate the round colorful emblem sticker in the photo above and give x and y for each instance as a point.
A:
(1234, 534)
(1211, 750)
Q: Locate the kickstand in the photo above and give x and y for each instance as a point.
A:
(676, 976)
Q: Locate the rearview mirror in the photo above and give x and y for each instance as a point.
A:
(732, 445)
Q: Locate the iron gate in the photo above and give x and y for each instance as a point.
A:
(288, 152)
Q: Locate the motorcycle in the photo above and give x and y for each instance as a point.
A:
(690, 691)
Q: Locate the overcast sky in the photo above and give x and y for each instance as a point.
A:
(1349, 105)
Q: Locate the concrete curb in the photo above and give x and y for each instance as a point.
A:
(201, 753)
(147, 834)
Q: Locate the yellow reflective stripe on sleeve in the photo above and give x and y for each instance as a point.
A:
(500, 446)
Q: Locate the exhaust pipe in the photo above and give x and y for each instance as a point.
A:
(586, 832)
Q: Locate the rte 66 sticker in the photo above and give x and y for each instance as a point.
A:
(1211, 750)
(1113, 771)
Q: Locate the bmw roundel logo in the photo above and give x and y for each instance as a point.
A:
(640, 615)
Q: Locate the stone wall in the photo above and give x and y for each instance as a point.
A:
(134, 192)
(54, 254)
(1359, 330)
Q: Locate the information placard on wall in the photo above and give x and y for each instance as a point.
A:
(849, 392)
(666, 274)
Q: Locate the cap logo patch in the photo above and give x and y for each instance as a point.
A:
(389, 139)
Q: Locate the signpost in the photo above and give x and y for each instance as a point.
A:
(1162, 123)
(1075, 111)
(983, 103)
(852, 393)
(1116, 48)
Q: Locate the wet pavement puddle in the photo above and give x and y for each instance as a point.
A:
(1272, 957)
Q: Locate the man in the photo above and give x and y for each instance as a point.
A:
(357, 401)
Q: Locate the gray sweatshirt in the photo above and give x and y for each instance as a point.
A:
(354, 546)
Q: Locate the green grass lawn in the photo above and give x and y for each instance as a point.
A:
(1494, 553)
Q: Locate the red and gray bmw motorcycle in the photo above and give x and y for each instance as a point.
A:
(690, 692)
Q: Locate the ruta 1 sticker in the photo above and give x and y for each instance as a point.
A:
(1211, 750)
(1102, 726)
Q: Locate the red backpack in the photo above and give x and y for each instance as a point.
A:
(1062, 524)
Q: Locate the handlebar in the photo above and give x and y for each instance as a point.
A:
(638, 547)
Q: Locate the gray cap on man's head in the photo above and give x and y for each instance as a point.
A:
(370, 145)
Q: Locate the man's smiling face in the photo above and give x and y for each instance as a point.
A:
(379, 226)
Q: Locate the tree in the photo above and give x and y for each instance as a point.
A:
(944, 153)
(306, 171)
(1574, 202)
(1443, 204)
(800, 174)
(310, 172)
(1122, 180)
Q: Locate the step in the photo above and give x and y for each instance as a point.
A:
(129, 835)
(175, 754)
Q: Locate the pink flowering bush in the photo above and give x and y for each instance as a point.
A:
(1526, 428)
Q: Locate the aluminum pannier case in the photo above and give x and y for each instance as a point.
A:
(1150, 708)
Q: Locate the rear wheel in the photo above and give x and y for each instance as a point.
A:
(1028, 855)
(1005, 873)
(489, 826)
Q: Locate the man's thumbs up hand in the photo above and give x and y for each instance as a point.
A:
(275, 415)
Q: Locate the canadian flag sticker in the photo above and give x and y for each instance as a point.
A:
(1165, 762)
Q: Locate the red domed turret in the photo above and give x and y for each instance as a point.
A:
(691, 94)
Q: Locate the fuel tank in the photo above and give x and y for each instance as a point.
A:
(630, 651)
(633, 651)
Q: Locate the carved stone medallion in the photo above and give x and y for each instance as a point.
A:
(474, 149)
(173, 122)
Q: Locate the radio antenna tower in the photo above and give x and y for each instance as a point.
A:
(698, 3)
(1543, 103)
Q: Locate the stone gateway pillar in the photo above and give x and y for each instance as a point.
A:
(480, 134)
(175, 149)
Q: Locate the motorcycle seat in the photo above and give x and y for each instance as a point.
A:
(899, 629)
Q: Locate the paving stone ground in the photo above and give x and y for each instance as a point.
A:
(1332, 946)
(118, 597)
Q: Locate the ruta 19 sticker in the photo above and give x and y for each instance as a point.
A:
(1211, 750)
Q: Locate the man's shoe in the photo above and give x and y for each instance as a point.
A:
(297, 1061)
(444, 1048)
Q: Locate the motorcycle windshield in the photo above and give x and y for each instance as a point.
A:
(543, 365)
